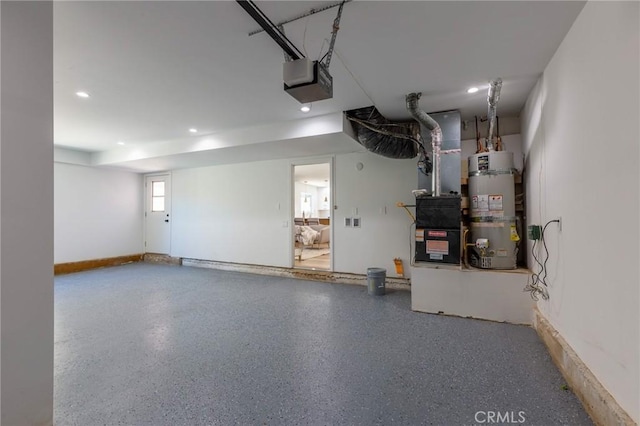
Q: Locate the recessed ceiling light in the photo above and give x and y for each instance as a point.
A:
(305, 108)
(472, 90)
(193, 130)
(120, 143)
(82, 94)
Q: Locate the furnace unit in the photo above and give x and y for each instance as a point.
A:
(438, 229)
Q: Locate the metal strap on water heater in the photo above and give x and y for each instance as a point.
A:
(490, 219)
(493, 172)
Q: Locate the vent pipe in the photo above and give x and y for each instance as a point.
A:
(492, 99)
(436, 136)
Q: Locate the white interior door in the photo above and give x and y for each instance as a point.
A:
(158, 214)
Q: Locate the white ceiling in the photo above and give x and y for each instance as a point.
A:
(155, 69)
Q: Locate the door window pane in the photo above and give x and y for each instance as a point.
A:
(157, 189)
(157, 204)
(157, 196)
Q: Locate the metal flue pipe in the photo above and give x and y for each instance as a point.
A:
(492, 99)
(436, 136)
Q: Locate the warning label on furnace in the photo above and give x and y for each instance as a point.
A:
(437, 247)
(495, 202)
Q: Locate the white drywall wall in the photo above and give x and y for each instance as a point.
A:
(98, 213)
(580, 135)
(26, 223)
(371, 194)
(233, 213)
(242, 212)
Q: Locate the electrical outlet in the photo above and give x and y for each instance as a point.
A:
(533, 232)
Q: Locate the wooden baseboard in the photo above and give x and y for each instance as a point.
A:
(85, 265)
(597, 401)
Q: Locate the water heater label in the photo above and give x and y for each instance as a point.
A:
(495, 202)
(480, 202)
(483, 162)
(437, 247)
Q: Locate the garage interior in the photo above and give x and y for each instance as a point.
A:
(152, 154)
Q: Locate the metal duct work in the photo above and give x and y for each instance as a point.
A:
(492, 99)
(383, 137)
(436, 136)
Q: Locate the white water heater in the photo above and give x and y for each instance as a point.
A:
(492, 210)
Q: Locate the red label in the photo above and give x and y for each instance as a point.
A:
(437, 247)
(441, 234)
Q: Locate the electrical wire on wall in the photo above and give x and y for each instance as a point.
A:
(537, 286)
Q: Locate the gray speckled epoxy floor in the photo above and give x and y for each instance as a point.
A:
(150, 344)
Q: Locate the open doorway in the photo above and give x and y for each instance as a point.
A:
(312, 216)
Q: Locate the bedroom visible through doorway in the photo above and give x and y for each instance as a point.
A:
(312, 216)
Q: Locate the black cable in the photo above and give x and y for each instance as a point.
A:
(540, 278)
(544, 244)
(533, 287)
(539, 264)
